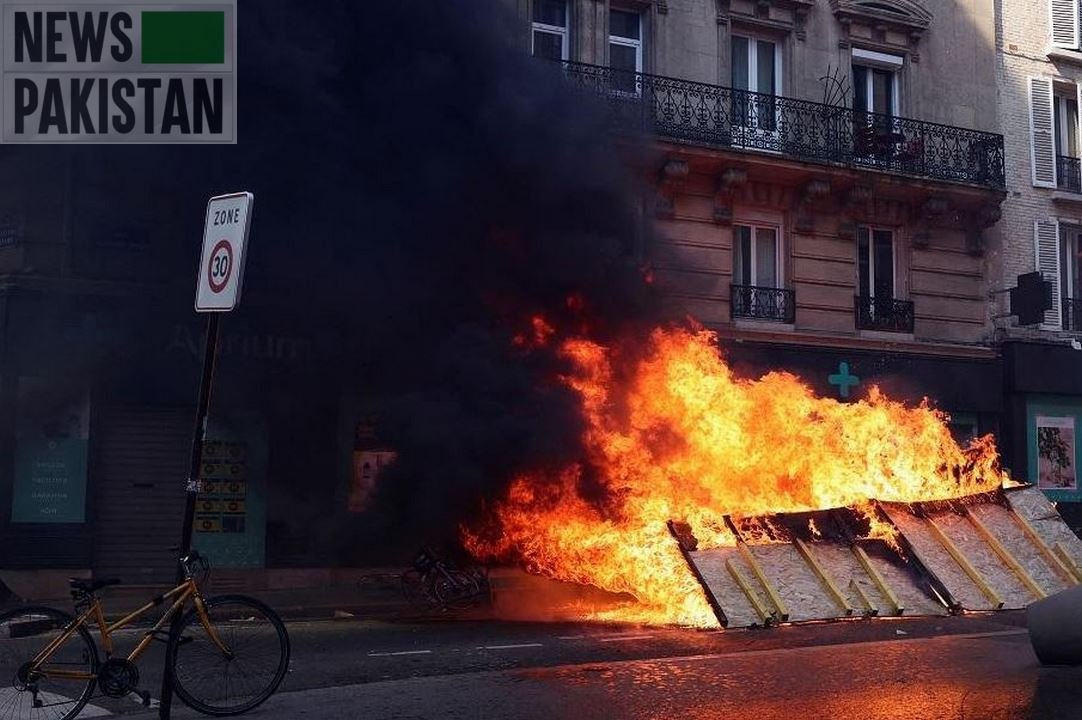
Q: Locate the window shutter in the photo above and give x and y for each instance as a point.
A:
(1042, 138)
(1065, 23)
(1046, 248)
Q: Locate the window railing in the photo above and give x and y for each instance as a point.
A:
(883, 313)
(799, 129)
(762, 303)
(1069, 173)
(1072, 314)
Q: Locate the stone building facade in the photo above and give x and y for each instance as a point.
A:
(824, 175)
(1039, 73)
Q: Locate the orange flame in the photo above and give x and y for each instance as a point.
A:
(673, 435)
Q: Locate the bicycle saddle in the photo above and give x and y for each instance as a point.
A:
(89, 585)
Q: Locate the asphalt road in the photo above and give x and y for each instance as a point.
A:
(975, 667)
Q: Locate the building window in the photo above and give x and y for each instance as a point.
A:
(875, 261)
(1070, 279)
(1065, 127)
(875, 82)
(876, 101)
(875, 304)
(1064, 23)
(756, 79)
(756, 256)
(625, 49)
(549, 37)
(756, 289)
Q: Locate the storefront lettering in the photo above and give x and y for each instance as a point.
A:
(276, 348)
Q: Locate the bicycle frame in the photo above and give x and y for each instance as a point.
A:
(179, 595)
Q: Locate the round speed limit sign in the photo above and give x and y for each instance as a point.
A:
(221, 267)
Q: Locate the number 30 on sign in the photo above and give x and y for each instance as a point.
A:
(225, 237)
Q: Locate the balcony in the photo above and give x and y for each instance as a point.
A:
(884, 314)
(1069, 173)
(795, 129)
(1072, 314)
(762, 303)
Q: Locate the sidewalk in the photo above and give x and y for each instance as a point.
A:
(374, 594)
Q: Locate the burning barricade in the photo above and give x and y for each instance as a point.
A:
(716, 500)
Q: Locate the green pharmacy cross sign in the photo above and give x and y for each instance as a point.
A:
(843, 380)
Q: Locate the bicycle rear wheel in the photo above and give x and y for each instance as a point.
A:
(29, 694)
(457, 590)
(214, 682)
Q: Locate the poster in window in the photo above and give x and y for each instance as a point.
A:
(52, 423)
(1056, 467)
(367, 467)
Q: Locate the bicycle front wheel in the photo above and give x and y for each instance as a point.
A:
(58, 686)
(232, 662)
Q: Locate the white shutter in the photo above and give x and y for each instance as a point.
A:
(1046, 249)
(1064, 23)
(1042, 138)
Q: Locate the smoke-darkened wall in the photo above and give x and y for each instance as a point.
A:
(423, 188)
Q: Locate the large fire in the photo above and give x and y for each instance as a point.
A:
(671, 434)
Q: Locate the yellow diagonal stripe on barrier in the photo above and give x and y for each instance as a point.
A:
(749, 558)
(964, 563)
(1068, 561)
(1005, 555)
(1053, 560)
(766, 616)
(896, 607)
(827, 583)
(869, 608)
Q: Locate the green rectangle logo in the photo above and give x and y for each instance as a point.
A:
(183, 37)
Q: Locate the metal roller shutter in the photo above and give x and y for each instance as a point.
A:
(142, 465)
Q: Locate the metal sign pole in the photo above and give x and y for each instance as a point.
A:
(199, 436)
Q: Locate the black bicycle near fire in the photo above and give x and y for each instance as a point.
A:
(436, 583)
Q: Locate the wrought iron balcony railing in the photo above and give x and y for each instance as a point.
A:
(1072, 314)
(798, 129)
(883, 313)
(1069, 173)
(762, 303)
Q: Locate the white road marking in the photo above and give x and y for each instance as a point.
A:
(572, 637)
(400, 652)
(621, 638)
(509, 647)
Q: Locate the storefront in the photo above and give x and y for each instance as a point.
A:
(96, 405)
(1043, 418)
(965, 386)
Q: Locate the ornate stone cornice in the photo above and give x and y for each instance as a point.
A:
(901, 15)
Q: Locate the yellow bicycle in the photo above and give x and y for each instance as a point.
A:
(226, 656)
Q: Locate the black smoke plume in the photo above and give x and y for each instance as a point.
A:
(423, 188)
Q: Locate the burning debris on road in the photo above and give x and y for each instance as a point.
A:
(671, 434)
